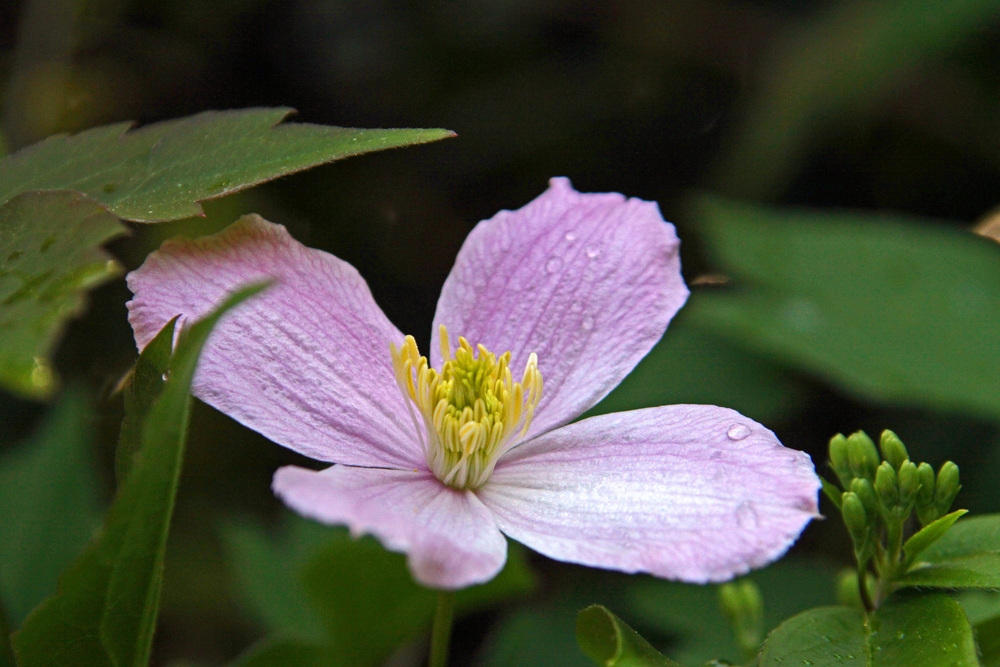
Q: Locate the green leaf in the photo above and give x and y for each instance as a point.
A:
(366, 598)
(841, 65)
(967, 556)
(832, 492)
(930, 534)
(824, 636)
(609, 642)
(161, 171)
(6, 653)
(982, 571)
(973, 536)
(921, 630)
(979, 605)
(357, 601)
(988, 638)
(104, 611)
(279, 652)
(848, 296)
(267, 575)
(142, 387)
(690, 366)
(48, 506)
(538, 636)
(49, 256)
(910, 631)
(691, 613)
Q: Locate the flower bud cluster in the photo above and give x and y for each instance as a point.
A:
(881, 492)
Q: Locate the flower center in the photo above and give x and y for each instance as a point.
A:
(472, 407)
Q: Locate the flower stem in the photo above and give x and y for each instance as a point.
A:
(441, 631)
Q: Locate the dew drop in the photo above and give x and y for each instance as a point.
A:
(570, 236)
(593, 251)
(738, 432)
(746, 515)
(554, 264)
(165, 377)
(576, 307)
(587, 323)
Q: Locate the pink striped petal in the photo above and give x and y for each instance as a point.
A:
(306, 363)
(449, 536)
(690, 492)
(589, 282)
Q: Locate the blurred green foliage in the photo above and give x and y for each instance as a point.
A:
(827, 103)
(49, 505)
(692, 613)
(106, 605)
(333, 600)
(880, 304)
(690, 365)
(840, 65)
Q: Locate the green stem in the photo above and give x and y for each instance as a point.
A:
(891, 564)
(441, 631)
(866, 598)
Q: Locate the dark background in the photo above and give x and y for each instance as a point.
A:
(657, 100)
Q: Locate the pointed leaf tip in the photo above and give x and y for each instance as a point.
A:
(610, 642)
(161, 171)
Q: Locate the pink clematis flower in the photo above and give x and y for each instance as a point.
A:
(558, 302)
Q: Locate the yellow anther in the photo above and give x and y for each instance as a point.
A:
(472, 409)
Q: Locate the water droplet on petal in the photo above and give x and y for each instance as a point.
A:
(587, 323)
(576, 307)
(593, 251)
(554, 264)
(570, 236)
(738, 432)
(746, 515)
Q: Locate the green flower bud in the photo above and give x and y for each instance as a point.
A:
(893, 449)
(730, 600)
(847, 589)
(866, 493)
(856, 520)
(925, 496)
(946, 487)
(862, 455)
(885, 484)
(909, 483)
(743, 606)
(840, 461)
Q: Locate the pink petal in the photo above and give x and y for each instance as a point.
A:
(589, 282)
(449, 536)
(690, 492)
(306, 363)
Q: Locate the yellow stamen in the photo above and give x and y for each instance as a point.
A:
(473, 410)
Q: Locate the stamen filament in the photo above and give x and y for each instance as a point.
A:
(472, 408)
